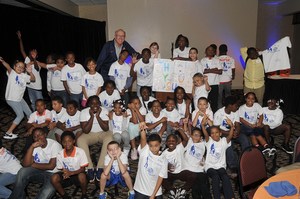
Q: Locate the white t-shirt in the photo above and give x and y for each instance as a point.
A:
(120, 73)
(216, 153)
(151, 119)
(199, 68)
(91, 83)
(200, 92)
(39, 119)
(173, 116)
(144, 72)
(150, 167)
(178, 53)
(70, 120)
(37, 84)
(85, 116)
(107, 100)
(115, 169)
(41, 155)
(16, 85)
(250, 114)
(272, 118)
(54, 79)
(73, 76)
(206, 63)
(208, 112)
(176, 157)
(193, 156)
(74, 162)
(56, 116)
(145, 103)
(182, 109)
(153, 55)
(220, 116)
(227, 64)
(8, 162)
(118, 122)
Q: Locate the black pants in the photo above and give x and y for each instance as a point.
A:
(201, 187)
(213, 97)
(138, 195)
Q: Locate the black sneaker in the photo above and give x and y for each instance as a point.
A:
(84, 196)
(266, 150)
(286, 148)
(272, 151)
(91, 175)
(233, 172)
(98, 173)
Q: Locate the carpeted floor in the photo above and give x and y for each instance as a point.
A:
(15, 146)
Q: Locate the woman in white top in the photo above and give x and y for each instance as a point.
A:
(182, 49)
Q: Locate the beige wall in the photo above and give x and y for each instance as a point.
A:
(232, 22)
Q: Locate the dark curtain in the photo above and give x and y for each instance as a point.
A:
(48, 33)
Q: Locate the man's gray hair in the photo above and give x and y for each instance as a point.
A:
(118, 31)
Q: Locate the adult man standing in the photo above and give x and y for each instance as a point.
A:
(110, 53)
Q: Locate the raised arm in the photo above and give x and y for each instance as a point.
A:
(205, 78)
(229, 122)
(21, 44)
(142, 127)
(203, 122)
(6, 65)
(103, 124)
(185, 138)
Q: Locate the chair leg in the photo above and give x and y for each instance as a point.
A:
(116, 190)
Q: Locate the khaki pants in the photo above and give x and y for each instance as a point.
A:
(86, 140)
(289, 168)
(259, 92)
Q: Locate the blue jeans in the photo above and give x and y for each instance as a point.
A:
(227, 88)
(19, 108)
(231, 158)
(33, 96)
(77, 98)
(63, 94)
(6, 179)
(30, 174)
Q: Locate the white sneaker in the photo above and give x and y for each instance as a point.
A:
(10, 136)
(134, 154)
(126, 152)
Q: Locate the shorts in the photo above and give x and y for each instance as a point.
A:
(59, 131)
(247, 130)
(70, 181)
(272, 131)
(115, 179)
(181, 122)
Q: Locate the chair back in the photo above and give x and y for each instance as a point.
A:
(296, 149)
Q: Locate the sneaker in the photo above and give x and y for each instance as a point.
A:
(182, 194)
(98, 173)
(172, 194)
(134, 154)
(233, 172)
(10, 136)
(91, 174)
(286, 148)
(272, 151)
(266, 150)
(84, 196)
(178, 190)
(131, 196)
(103, 196)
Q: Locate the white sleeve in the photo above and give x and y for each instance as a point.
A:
(49, 73)
(219, 64)
(104, 114)
(64, 74)
(83, 71)
(31, 118)
(106, 160)
(111, 70)
(194, 114)
(59, 164)
(218, 119)
(101, 81)
(260, 110)
(147, 118)
(124, 159)
(82, 83)
(48, 115)
(211, 115)
(164, 170)
(56, 147)
(233, 63)
(63, 118)
(83, 117)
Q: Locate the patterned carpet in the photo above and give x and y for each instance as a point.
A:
(15, 146)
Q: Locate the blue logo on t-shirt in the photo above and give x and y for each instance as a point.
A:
(36, 158)
(68, 123)
(225, 68)
(19, 83)
(213, 151)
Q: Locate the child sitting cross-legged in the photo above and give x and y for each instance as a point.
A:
(115, 170)
(72, 162)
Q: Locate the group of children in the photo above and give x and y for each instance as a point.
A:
(174, 135)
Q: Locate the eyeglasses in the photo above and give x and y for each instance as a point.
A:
(120, 35)
(18, 66)
(114, 149)
(36, 136)
(197, 135)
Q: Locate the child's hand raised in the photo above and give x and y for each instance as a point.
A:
(110, 115)
(205, 78)
(142, 126)
(229, 122)
(134, 58)
(185, 120)
(125, 114)
(204, 120)
(119, 152)
(200, 113)
(19, 34)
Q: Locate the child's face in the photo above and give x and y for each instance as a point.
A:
(272, 104)
(153, 49)
(145, 94)
(180, 94)
(94, 105)
(123, 56)
(56, 106)
(68, 142)
(49, 60)
(19, 67)
(193, 55)
(198, 81)
(210, 52)
(154, 147)
(40, 107)
(30, 55)
(71, 110)
(92, 66)
(202, 105)
(171, 142)
(181, 42)
(156, 107)
(70, 59)
(39, 136)
(233, 107)
(60, 63)
(113, 149)
(196, 136)
(117, 109)
(146, 56)
(250, 100)
(109, 89)
(253, 54)
(136, 103)
(215, 134)
(170, 105)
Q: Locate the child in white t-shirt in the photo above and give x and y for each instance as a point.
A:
(156, 121)
(193, 55)
(144, 69)
(71, 76)
(146, 97)
(9, 167)
(70, 121)
(198, 114)
(91, 81)
(272, 121)
(154, 47)
(181, 51)
(215, 164)
(115, 170)
(176, 169)
(201, 87)
(72, 162)
(118, 124)
(173, 116)
(152, 167)
(138, 113)
(120, 73)
(109, 94)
